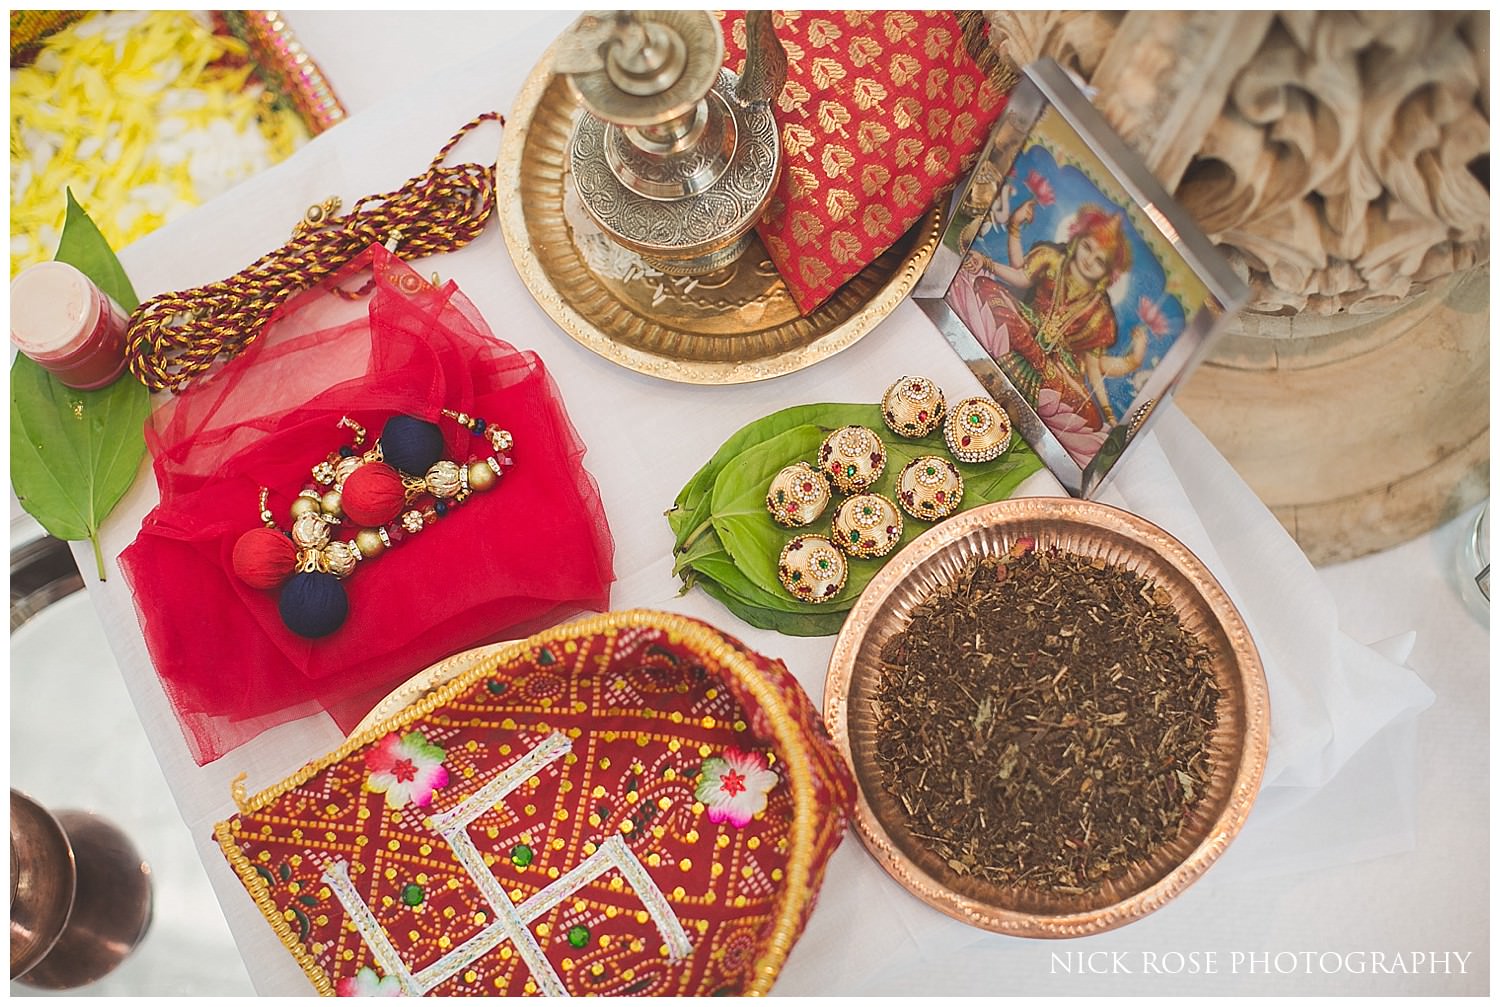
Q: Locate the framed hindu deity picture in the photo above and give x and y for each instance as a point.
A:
(1071, 284)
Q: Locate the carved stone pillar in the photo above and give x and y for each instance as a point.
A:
(1341, 161)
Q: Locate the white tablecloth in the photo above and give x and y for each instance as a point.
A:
(1341, 783)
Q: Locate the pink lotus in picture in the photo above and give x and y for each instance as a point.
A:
(1040, 188)
(1155, 319)
(994, 336)
(1072, 431)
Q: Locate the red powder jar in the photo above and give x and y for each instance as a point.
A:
(65, 323)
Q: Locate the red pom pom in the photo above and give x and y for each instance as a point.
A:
(263, 557)
(373, 495)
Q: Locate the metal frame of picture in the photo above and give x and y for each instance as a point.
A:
(1116, 298)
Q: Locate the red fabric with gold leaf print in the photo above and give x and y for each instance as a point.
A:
(457, 850)
(881, 113)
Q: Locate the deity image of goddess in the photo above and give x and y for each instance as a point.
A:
(1053, 302)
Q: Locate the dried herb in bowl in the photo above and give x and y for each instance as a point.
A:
(1044, 721)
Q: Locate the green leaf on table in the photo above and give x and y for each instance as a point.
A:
(811, 622)
(73, 453)
(689, 510)
(84, 248)
(734, 547)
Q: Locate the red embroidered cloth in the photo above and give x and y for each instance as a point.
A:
(881, 113)
(523, 555)
(631, 805)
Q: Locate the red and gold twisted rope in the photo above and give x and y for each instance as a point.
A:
(175, 337)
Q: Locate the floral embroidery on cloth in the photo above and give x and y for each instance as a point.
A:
(407, 769)
(365, 983)
(734, 786)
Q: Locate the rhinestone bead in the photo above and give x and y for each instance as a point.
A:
(867, 525)
(977, 430)
(811, 569)
(798, 495)
(930, 488)
(913, 407)
(853, 458)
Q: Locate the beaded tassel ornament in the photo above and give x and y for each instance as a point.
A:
(388, 493)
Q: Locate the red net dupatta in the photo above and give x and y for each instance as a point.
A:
(529, 552)
(881, 113)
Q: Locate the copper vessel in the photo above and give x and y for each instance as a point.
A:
(80, 896)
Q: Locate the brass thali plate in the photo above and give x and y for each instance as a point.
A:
(1237, 747)
(739, 324)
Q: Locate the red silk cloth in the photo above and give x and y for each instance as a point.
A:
(523, 555)
(521, 778)
(881, 113)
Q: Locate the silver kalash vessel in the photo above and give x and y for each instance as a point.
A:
(674, 157)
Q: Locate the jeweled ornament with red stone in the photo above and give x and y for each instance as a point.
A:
(867, 526)
(913, 407)
(798, 495)
(812, 569)
(977, 430)
(853, 458)
(930, 488)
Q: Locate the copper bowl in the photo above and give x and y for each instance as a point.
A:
(1237, 746)
(42, 880)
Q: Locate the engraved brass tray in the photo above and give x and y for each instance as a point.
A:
(738, 324)
(1237, 747)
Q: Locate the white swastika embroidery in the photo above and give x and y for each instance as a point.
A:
(510, 920)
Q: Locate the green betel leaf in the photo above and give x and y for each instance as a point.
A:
(735, 546)
(689, 512)
(84, 248)
(810, 622)
(73, 454)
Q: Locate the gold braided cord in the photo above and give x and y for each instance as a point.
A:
(175, 337)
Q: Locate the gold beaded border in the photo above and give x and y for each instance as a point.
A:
(709, 644)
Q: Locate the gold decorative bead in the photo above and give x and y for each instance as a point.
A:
(345, 468)
(306, 505)
(853, 458)
(798, 495)
(501, 439)
(333, 503)
(369, 543)
(867, 525)
(481, 476)
(310, 531)
(413, 487)
(811, 569)
(930, 488)
(340, 558)
(912, 407)
(977, 430)
(412, 521)
(443, 480)
(323, 473)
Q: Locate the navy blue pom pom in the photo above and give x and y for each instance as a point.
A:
(410, 444)
(313, 604)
